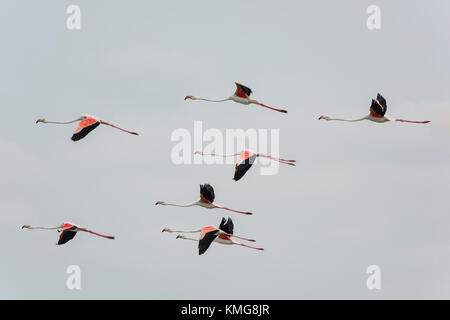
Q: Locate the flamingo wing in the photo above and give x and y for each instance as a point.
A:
(378, 107)
(244, 163)
(67, 234)
(207, 192)
(242, 91)
(208, 235)
(84, 127)
(227, 225)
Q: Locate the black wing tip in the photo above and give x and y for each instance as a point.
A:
(246, 89)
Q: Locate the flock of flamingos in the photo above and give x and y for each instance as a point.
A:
(224, 232)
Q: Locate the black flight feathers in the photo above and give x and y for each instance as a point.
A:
(227, 225)
(207, 191)
(381, 107)
(206, 241)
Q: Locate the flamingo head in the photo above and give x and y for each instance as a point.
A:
(40, 120)
(198, 152)
(190, 97)
(166, 230)
(324, 117)
(180, 236)
(160, 202)
(26, 226)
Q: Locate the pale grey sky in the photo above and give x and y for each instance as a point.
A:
(361, 194)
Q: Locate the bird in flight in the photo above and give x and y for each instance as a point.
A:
(207, 197)
(68, 231)
(377, 113)
(208, 235)
(242, 95)
(86, 125)
(245, 161)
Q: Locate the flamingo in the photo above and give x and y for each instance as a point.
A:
(377, 112)
(86, 125)
(68, 231)
(207, 197)
(245, 161)
(242, 95)
(209, 234)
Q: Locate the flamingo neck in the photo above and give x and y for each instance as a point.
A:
(43, 228)
(181, 205)
(181, 231)
(349, 120)
(187, 238)
(62, 122)
(211, 100)
(218, 155)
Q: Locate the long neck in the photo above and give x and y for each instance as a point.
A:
(186, 238)
(349, 120)
(61, 122)
(210, 100)
(181, 205)
(44, 228)
(181, 231)
(219, 155)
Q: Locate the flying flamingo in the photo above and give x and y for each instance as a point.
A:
(86, 125)
(377, 112)
(242, 95)
(68, 231)
(207, 197)
(222, 235)
(245, 161)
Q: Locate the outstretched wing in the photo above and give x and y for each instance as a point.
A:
(227, 225)
(244, 163)
(67, 235)
(379, 106)
(84, 127)
(242, 91)
(206, 239)
(207, 192)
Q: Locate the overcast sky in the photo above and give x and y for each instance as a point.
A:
(362, 193)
